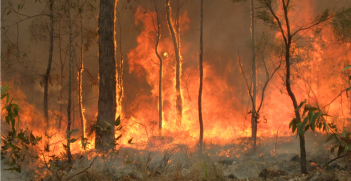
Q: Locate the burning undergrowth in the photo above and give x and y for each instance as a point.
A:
(147, 149)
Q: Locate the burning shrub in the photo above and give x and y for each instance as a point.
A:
(16, 144)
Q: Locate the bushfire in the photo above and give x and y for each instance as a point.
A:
(275, 64)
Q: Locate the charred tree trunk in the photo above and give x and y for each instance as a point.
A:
(178, 64)
(107, 77)
(201, 79)
(160, 108)
(69, 156)
(80, 80)
(119, 68)
(47, 73)
(254, 81)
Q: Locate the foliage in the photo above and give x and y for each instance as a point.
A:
(313, 118)
(16, 143)
(341, 141)
(341, 25)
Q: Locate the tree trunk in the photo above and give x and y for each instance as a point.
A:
(119, 70)
(61, 77)
(254, 81)
(289, 90)
(160, 108)
(107, 77)
(80, 81)
(201, 80)
(179, 106)
(47, 73)
(297, 113)
(69, 156)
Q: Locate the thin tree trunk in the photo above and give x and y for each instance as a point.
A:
(289, 90)
(61, 77)
(254, 81)
(47, 73)
(160, 108)
(107, 77)
(297, 113)
(80, 81)
(177, 25)
(69, 156)
(201, 79)
(178, 64)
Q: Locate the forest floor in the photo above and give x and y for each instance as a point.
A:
(273, 160)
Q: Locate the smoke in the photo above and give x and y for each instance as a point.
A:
(226, 37)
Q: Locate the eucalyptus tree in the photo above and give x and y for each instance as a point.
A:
(269, 14)
(107, 74)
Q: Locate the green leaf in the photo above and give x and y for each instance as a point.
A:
(307, 127)
(5, 147)
(73, 140)
(292, 122)
(13, 146)
(300, 105)
(331, 137)
(325, 126)
(314, 118)
(347, 67)
(118, 121)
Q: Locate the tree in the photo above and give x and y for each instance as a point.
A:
(254, 82)
(107, 77)
(201, 78)
(263, 50)
(47, 73)
(69, 156)
(160, 103)
(270, 17)
(176, 44)
(120, 90)
(80, 76)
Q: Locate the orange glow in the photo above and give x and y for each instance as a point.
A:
(316, 76)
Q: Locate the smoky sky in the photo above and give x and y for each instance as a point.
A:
(226, 33)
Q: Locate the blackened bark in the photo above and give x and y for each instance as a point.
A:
(179, 103)
(254, 81)
(69, 156)
(47, 73)
(80, 80)
(160, 108)
(120, 66)
(201, 80)
(107, 77)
